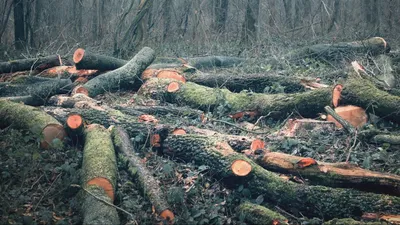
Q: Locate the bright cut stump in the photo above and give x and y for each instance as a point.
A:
(78, 55)
(105, 184)
(241, 168)
(355, 115)
(170, 74)
(148, 73)
(173, 87)
(167, 215)
(51, 132)
(74, 121)
(80, 90)
(179, 131)
(257, 144)
(337, 91)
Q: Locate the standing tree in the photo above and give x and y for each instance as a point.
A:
(221, 14)
(249, 31)
(19, 24)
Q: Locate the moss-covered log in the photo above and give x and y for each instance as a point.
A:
(307, 104)
(39, 89)
(207, 62)
(96, 211)
(393, 139)
(349, 221)
(161, 110)
(38, 122)
(296, 198)
(99, 169)
(124, 77)
(340, 51)
(86, 60)
(332, 174)
(259, 215)
(259, 83)
(30, 64)
(105, 118)
(150, 186)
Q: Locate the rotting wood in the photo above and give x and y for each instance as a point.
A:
(150, 186)
(332, 174)
(322, 201)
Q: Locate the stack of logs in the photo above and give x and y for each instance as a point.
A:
(338, 190)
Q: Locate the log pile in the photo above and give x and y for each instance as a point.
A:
(73, 112)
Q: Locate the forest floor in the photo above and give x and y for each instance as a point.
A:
(36, 184)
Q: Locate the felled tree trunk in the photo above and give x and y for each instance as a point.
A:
(340, 51)
(208, 62)
(148, 183)
(331, 174)
(99, 177)
(259, 83)
(124, 77)
(88, 61)
(296, 198)
(259, 215)
(30, 64)
(39, 123)
(278, 106)
(39, 89)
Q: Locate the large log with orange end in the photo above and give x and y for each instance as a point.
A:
(43, 126)
(41, 63)
(150, 186)
(298, 199)
(331, 174)
(85, 60)
(99, 176)
(124, 77)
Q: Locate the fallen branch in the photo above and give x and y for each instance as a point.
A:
(30, 64)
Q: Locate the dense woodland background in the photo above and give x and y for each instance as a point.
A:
(199, 27)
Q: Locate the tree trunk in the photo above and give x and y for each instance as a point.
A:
(221, 15)
(249, 28)
(19, 25)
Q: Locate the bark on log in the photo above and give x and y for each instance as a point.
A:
(30, 64)
(208, 62)
(340, 51)
(160, 110)
(99, 171)
(332, 174)
(150, 186)
(39, 123)
(254, 82)
(39, 89)
(393, 139)
(278, 106)
(259, 215)
(296, 198)
(349, 221)
(86, 60)
(124, 77)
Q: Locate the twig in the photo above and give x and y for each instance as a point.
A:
(346, 125)
(353, 146)
(241, 128)
(103, 201)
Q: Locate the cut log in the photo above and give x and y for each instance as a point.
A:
(259, 83)
(86, 61)
(150, 186)
(393, 139)
(160, 110)
(208, 62)
(30, 64)
(75, 101)
(75, 127)
(259, 215)
(124, 77)
(349, 221)
(39, 89)
(332, 174)
(303, 127)
(340, 51)
(99, 170)
(347, 117)
(67, 72)
(278, 106)
(50, 132)
(295, 198)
